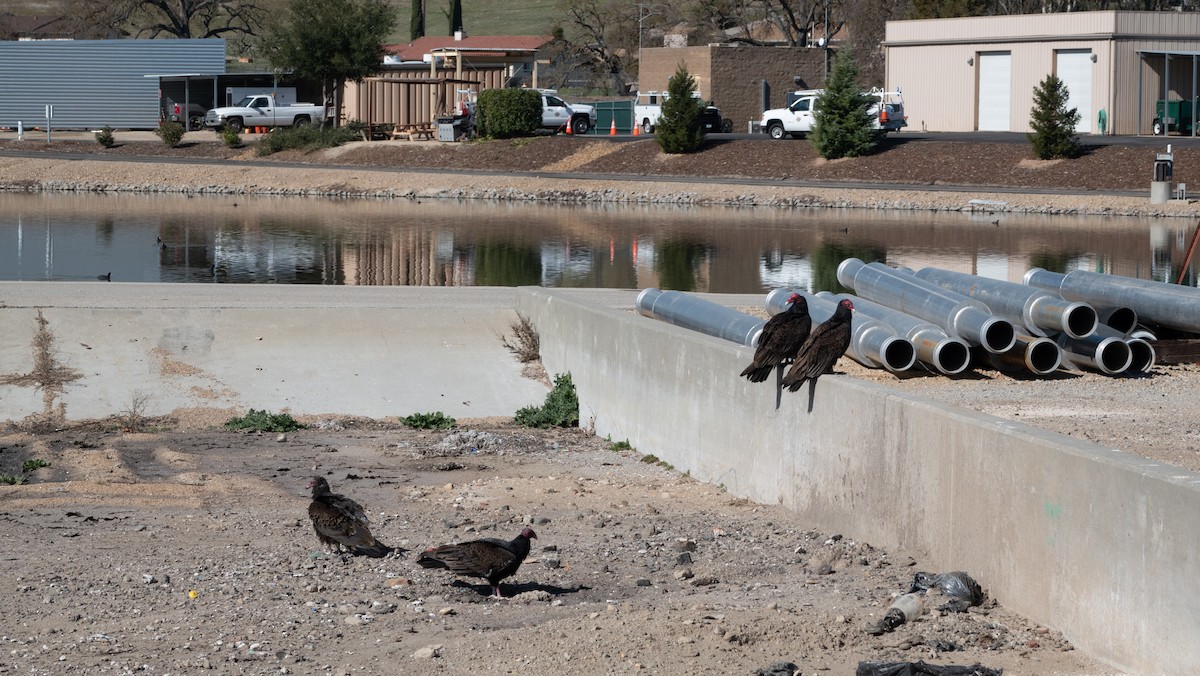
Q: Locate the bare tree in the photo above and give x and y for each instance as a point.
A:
(235, 20)
(603, 35)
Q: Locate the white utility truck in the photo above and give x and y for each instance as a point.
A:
(797, 120)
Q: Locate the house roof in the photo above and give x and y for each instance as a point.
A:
(499, 44)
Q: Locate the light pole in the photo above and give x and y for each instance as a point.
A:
(643, 12)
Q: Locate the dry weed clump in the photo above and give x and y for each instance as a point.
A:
(524, 342)
(48, 375)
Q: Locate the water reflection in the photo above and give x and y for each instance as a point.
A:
(403, 243)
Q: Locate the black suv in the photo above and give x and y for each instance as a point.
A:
(712, 122)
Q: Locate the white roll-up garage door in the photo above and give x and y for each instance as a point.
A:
(1074, 68)
(995, 91)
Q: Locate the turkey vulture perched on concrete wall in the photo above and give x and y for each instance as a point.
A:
(780, 339)
(490, 559)
(340, 522)
(825, 345)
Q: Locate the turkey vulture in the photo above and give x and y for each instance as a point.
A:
(490, 559)
(824, 346)
(780, 340)
(340, 522)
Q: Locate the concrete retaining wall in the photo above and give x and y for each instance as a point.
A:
(1091, 541)
(370, 351)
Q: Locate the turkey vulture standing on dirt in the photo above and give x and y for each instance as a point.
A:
(825, 345)
(780, 340)
(341, 522)
(490, 559)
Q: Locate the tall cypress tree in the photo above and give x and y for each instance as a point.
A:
(456, 18)
(416, 27)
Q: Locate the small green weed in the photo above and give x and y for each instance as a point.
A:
(105, 137)
(262, 421)
(621, 446)
(33, 465)
(651, 459)
(429, 421)
(11, 480)
(561, 408)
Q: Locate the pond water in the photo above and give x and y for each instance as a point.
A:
(258, 240)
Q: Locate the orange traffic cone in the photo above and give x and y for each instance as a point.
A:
(637, 128)
(612, 128)
(569, 132)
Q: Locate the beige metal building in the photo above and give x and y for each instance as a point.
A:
(979, 73)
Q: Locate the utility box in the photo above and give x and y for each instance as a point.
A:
(1164, 168)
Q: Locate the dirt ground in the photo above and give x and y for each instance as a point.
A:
(900, 159)
(188, 550)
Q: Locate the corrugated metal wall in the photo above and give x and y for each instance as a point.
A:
(93, 83)
(388, 99)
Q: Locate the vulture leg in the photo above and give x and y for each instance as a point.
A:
(779, 385)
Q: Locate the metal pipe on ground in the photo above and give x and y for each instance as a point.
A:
(957, 314)
(932, 346)
(700, 315)
(873, 343)
(1158, 303)
(1107, 354)
(1040, 312)
(1123, 319)
(1141, 352)
(1038, 354)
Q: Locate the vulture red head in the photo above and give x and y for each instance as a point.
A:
(528, 532)
(793, 298)
(846, 304)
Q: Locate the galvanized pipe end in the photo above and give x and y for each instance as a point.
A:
(1113, 356)
(847, 270)
(1079, 320)
(1042, 356)
(1043, 279)
(997, 335)
(777, 300)
(1123, 319)
(897, 354)
(951, 356)
(1143, 356)
(645, 301)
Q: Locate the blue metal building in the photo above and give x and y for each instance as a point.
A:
(93, 83)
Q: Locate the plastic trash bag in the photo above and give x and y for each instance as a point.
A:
(922, 669)
(961, 587)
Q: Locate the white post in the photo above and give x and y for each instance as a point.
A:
(20, 130)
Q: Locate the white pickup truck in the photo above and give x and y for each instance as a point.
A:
(260, 110)
(557, 114)
(886, 111)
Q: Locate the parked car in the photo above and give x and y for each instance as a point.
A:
(173, 112)
(557, 113)
(797, 120)
(647, 108)
(263, 111)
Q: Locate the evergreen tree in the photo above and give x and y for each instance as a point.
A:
(678, 129)
(456, 18)
(416, 27)
(1052, 122)
(841, 125)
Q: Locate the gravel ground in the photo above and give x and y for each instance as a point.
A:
(189, 551)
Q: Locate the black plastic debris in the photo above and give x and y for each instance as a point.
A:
(778, 669)
(922, 669)
(962, 588)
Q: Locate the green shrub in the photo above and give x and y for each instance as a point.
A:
(262, 421)
(1052, 122)
(33, 465)
(309, 137)
(171, 133)
(428, 421)
(561, 408)
(508, 113)
(842, 127)
(230, 136)
(621, 446)
(12, 480)
(105, 137)
(678, 129)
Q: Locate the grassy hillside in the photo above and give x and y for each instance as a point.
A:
(480, 17)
